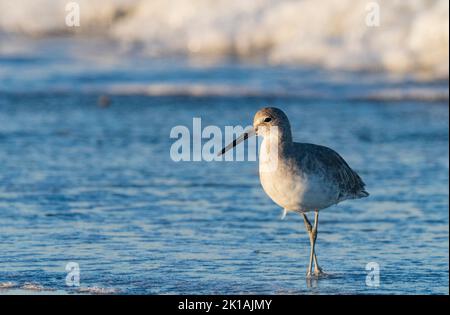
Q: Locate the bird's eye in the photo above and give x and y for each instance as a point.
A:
(267, 119)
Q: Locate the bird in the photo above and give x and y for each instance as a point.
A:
(300, 177)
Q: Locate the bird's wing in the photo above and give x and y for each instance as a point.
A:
(329, 164)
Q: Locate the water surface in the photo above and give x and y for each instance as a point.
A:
(97, 186)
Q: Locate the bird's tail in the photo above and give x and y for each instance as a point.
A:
(363, 194)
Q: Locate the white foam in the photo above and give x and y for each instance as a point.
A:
(41, 17)
(32, 286)
(98, 290)
(413, 36)
(7, 285)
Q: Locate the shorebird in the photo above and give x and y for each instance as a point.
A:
(300, 177)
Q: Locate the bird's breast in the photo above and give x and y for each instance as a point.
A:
(283, 184)
(284, 190)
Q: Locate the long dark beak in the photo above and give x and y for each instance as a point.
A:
(247, 134)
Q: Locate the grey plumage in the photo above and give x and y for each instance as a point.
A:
(327, 163)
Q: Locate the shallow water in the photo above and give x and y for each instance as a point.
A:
(97, 186)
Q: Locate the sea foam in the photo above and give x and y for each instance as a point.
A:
(413, 36)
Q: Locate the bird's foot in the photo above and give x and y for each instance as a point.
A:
(318, 272)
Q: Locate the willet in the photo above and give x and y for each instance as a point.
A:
(300, 177)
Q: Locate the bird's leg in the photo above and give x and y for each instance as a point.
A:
(317, 270)
(312, 254)
(312, 231)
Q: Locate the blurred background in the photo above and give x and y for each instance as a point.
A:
(121, 45)
(85, 118)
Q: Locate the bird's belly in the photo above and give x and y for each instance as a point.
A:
(297, 192)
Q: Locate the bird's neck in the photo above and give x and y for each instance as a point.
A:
(274, 146)
(280, 137)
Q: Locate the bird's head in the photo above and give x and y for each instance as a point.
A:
(270, 117)
(267, 121)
